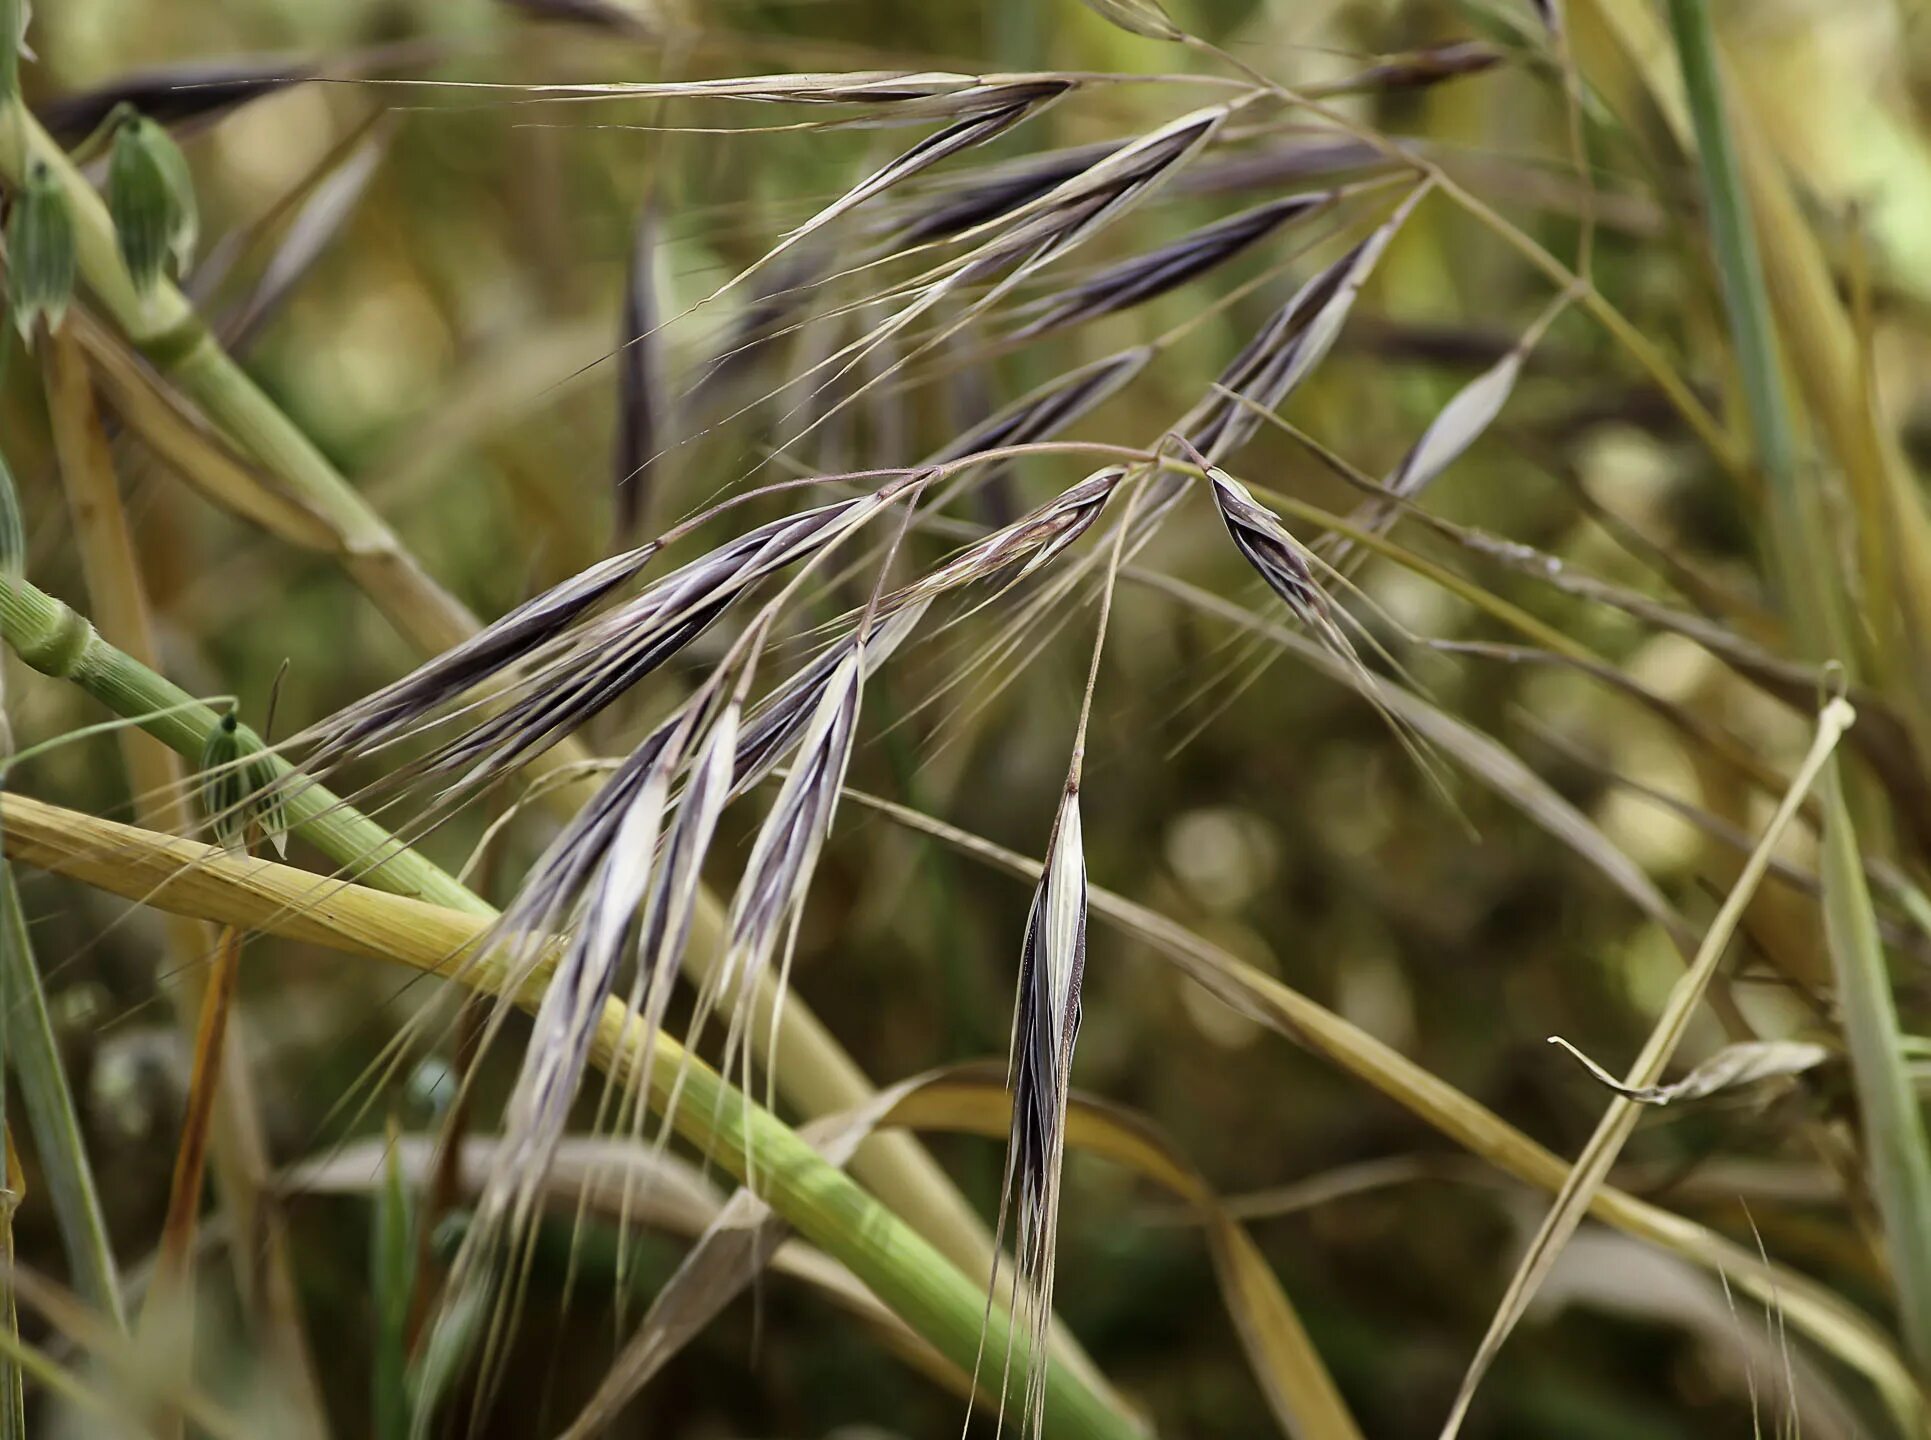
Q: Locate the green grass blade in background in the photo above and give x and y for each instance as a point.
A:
(35, 1058)
(1899, 1156)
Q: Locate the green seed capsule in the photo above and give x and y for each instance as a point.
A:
(40, 252)
(265, 807)
(224, 785)
(239, 791)
(151, 197)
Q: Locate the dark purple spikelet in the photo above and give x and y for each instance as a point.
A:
(1119, 287)
(1277, 557)
(998, 190)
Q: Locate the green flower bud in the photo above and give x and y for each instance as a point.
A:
(151, 197)
(40, 251)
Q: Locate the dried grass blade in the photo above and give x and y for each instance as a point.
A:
(1835, 1325)
(329, 207)
(1745, 1063)
(737, 1244)
(165, 1330)
(975, 1099)
(189, 878)
(1586, 1176)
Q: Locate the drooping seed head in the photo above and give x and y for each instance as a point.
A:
(1277, 557)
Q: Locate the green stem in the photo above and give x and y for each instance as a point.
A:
(35, 1058)
(1894, 1135)
(826, 1206)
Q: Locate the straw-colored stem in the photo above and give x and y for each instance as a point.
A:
(1895, 1143)
(826, 1207)
(812, 1071)
(119, 600)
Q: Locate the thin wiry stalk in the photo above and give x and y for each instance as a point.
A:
(1832, 1322)
(155, 777)
(1592, 1166)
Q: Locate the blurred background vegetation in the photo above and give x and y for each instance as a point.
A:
(448, 348)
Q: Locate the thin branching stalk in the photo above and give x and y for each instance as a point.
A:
(1896, 1148)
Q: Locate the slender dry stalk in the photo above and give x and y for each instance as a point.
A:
(166, 1327)
(1592, 1166)
(155, 778)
